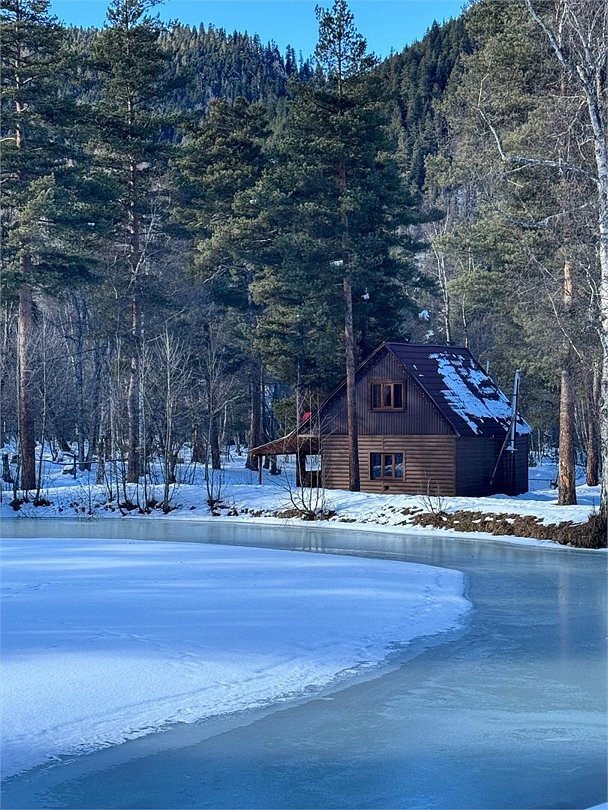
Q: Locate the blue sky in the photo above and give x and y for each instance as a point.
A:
(386, 24)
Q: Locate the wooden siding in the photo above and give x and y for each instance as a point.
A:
(429, 463)
(420, 417)
(522, 464)
(512, 474)
(475, 460)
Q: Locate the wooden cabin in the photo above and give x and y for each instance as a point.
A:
(430, 421)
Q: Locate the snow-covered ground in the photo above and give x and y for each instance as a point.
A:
(106, 640)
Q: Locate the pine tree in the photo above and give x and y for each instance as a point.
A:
(129, 147)
(526, 252)
(334, 209)
(44, 219)
(223, 157)
(579, 44)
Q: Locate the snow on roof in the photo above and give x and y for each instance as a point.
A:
(471, 393)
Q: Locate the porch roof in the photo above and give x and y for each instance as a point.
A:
(288, 445)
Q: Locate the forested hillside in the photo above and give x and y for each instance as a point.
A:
(202, 236)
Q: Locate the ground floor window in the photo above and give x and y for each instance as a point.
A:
(386, 466)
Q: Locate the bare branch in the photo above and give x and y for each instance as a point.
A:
(522, 161)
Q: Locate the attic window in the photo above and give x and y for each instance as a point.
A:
(387, 396)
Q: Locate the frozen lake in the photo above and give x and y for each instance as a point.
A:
(510, 713)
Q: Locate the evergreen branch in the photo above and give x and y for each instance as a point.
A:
(217, 274)
(566, 63)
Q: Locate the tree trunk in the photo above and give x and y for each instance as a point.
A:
(100, 474)
(445, 295)
(566, 475)
(600, 142)
(6, 469)
(584, 24)
(94, 408)
(255, 430)
(80, 404)
(27, 442)
(591, 412)
(133, 397)
(214, 443)
(604, 423)
(604, 335)
(354, 481)
(134, 456)
(198, 445)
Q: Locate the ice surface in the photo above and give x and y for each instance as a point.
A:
(496, 718)
(106, 640)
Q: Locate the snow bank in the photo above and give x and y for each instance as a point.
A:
(108, 640)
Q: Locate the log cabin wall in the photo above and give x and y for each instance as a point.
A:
(429, 463)
(522, 455)
(512, 474)
(437, 461)
(475, 460)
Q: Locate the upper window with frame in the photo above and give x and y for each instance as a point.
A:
(387, 396)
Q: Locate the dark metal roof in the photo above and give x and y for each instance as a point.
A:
(460, 388)
(287, 445)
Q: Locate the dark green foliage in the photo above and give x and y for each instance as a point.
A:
(209, 64)
(47, 195)
(512, 225)
(220, 160)
(220, 157)
(333, 203)
(417, 79)
(153, 155)
(127, 139)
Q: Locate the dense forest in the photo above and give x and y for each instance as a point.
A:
(202, 236)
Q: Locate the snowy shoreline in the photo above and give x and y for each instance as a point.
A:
(242, 500)
(67, 656)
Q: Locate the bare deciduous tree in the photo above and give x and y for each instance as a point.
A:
(577, 31)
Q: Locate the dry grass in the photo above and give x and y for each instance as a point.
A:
(592, 534)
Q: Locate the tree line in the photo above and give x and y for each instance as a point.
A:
(199, 231)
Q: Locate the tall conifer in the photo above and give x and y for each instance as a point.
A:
(129, 147)
(223, 157)
(334, 206)
(42, 217)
